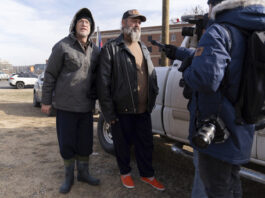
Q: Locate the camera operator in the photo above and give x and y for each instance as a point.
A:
(219, 57)
(186, 54)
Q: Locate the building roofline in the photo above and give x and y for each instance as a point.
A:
(145, 29)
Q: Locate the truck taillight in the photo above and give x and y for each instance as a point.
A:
(11, 78)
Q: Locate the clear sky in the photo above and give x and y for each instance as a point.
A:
(30, 28)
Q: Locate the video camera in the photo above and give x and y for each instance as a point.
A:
(200, 22)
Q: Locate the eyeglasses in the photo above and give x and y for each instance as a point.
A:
(85, 21)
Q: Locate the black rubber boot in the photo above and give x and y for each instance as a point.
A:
(83, 174)
(69, 178)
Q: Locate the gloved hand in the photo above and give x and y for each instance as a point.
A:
(170, 51)
(185, 63)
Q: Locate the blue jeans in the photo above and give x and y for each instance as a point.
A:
(221, 179)
(198, 190)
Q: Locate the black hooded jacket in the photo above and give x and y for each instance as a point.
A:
(69, 81)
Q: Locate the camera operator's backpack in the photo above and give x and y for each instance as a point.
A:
(250, 102)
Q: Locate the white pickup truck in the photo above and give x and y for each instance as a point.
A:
(170, 118)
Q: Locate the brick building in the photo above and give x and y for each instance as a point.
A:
(148, 34)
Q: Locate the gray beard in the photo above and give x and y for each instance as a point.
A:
(82, 34)
(135, 35)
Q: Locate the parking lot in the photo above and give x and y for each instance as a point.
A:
(30, 164)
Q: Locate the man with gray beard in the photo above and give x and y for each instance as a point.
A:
(127, 90)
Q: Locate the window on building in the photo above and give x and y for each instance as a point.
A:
(173, 37)
(160, 62)
(149, 38)
(159, 49)
(149, 49)
(160, 38)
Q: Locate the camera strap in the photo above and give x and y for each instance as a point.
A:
(197, 114)
(219, 109)
(224, 84)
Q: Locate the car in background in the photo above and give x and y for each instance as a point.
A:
(4, 76)
(22, 80)
(37, 90)
(37, 94)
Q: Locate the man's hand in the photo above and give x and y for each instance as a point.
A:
(46, 108)
(170, 51)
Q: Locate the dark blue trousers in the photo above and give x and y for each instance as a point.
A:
(134, 129)
(221, 179)
(75, 134)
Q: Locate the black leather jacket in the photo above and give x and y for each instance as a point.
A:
(117, 80)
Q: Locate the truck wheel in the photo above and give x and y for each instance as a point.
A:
(35, 102)
(20, 85)
(105, 136)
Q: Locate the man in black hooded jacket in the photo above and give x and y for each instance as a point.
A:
(70, 75)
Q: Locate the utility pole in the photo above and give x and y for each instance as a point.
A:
(165, 30)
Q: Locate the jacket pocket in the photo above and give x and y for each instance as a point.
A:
(71, 63)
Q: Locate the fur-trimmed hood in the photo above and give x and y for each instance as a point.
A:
(248, 14)
(89, 14)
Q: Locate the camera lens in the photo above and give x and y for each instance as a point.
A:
(204, 136)
(187, 31)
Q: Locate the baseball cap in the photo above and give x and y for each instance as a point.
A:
(133, 14)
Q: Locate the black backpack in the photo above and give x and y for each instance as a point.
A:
(250, 102)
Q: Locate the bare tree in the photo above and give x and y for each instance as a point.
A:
(197, 10)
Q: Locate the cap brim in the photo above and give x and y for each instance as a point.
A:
(141, 17)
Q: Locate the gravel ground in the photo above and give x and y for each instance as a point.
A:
(31, 167)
